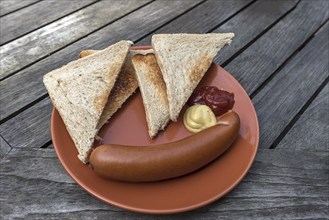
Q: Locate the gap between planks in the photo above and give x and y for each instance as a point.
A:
(309, 101)
(298, 115)
(46, 95)
(5, 148)
(257, 90)
(20, 8)
(43, 97)
(166, 23)
(46, 138)
(49, 143)
(78, 39)
(226, 62)
(228, 18)
(277, 181)
(286, 100)
(41, 26)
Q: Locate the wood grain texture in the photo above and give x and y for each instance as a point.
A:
(200, 19)
(38, 44)
(4, 148)
(253, 27)
(246, 24)
(290, 89)
(131, 27)
(250, 23)
(255, 64)
(289, 182)
(278, 186)
(29, 129)
(312, 128)
(8, 6)
(30, 18)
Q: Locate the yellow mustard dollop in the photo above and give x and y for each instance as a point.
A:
(199, 117)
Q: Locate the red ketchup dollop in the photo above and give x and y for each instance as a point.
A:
(220, 101)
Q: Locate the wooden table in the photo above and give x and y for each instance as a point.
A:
(279, 55)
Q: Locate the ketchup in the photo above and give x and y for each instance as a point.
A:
(220, 101)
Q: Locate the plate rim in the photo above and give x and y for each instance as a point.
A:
(167, 211)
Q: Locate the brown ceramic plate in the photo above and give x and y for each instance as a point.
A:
(128, 127)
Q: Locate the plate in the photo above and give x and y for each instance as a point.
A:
(128, 127)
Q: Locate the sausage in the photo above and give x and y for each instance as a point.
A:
(164, 161)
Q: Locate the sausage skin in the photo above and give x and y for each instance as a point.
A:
(164, 161)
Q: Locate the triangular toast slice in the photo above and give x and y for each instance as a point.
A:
(183, 60)
(153, 91)
(80, 89)
(125, 85)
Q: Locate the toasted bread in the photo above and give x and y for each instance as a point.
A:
(153, 91)
(85, 53)
(125, 85)
(80, 90)
(183, 60)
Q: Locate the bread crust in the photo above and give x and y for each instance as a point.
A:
(80, 90)
(153, 91)
(184, 59)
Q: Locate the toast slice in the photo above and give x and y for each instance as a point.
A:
(184, 59)
(80, 89)
(153, 91)
(125, 85)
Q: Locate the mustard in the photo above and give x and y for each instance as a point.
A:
(199, 117)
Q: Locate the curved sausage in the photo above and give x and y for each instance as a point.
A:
(164, 161)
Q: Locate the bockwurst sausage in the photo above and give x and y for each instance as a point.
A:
(164, 161)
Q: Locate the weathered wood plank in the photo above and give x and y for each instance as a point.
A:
(250, 23)
(17, 24)
(130, 27)
(201, 19)
(312, 129)
(38, 44)
(38, 175)
(285, 184)
(30, 128)
(8, 6)
(290, 89)
(247, 24)
(4, 147)
(24, 168)
(253, 26)
(255, 64)
(10, 128)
